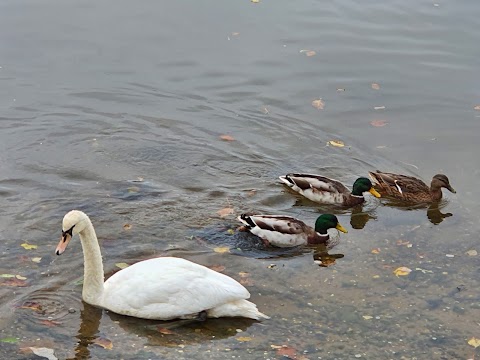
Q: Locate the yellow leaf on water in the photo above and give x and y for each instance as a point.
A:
(20, 277)
(402, 271)
(337, 143)
(375, 86)
(7, 275)
(36, 259)
(474, 342)
(318, 104)
(376, 251)
(103, 342)
(225, 212)
(28, 246)
(244, 338)
(367, 317)
(255, 1)
(230, 232)
(122, 265)
(222, 250)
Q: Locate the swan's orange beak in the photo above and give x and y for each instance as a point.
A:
(62, 245)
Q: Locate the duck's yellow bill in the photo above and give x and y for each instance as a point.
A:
(374, 192)
(341, 228)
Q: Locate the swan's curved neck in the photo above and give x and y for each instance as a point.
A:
(93, 277)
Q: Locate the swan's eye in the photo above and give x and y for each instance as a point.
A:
(68, 232)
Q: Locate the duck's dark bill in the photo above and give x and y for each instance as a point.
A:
(62, 245)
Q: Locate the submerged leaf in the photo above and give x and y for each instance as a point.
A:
(308, 52)
(287, 351)
(50, 323)
(103, 342)
(14, 282)
(28, 246)
(122, 265)
(318, 104)
(217, 268)
(225, 212)
(164, 331)
(378, 123)
(36, 259)
(402, 271)
(222, 250)
(472, 253)
(244, 338)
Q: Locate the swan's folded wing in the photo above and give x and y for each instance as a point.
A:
(166, 288)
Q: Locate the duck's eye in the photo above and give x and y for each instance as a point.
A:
(67, 232)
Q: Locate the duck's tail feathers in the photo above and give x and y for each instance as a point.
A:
(247, 221)
(286, 180)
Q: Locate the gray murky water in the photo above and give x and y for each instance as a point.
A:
(95, 95)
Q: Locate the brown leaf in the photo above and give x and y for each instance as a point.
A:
(14, 282)
(378, 123)
(127, 227)
(287, 351)
(318, 104)
(336, 143)
(225, 212)
(32, 305)
(227, 138)
(50, 323)
(376, 251)
(244, 338)
(217, 268)
(103, 342)
(164, 331)
(402, 271)
(375, 86)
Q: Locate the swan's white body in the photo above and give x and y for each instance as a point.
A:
(162, 288)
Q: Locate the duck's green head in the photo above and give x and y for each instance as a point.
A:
(328, 221)
(362, 185)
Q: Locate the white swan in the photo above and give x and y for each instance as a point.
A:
(163, 288)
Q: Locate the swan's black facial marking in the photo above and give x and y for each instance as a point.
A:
(66, 233)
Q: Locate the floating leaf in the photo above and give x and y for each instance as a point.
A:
(474, 342)
(36, 259)
(472, 253)
(103, 342)
(227, 138)
(14, 282)
(271, 266)
(122, 265)
(402, 271)
(378, 123)
(255, 1)
(379, 108)
(337, 143)
(7, 275)
(308, 52)
(44, 352)
(127, 227)
(376, 251)
(28, 246)
(32, 305)
(20, 277)
(230, 232)
(367, 317)
(225, 212)
(401, 242)
(318, 104)
(244, 338)
(340, 89)
(164, 331)
(9, 339)
(375, 86)
(222, 250)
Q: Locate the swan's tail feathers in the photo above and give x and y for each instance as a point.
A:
(239, 308)
(247, 221)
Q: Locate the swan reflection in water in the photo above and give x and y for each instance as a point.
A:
(179, 332)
